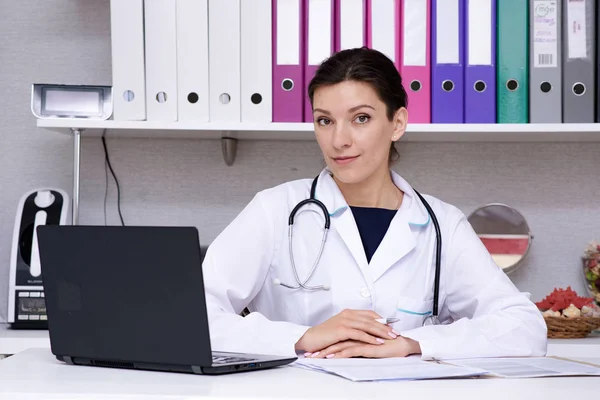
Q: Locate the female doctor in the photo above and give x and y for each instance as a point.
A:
(378, 259)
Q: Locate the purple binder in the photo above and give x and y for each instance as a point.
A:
(480, 80)
(447, 80)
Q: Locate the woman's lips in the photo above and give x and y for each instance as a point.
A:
(344, 160)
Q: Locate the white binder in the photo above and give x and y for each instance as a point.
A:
(192, 60)
(224, 60)
(127, 47)
(256, 61)
(161, 59)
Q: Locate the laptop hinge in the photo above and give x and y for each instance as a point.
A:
(68, 360)
(196, 369)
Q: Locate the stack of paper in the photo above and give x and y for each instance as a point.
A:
(409, 368)
(413, 368)
(533, 367)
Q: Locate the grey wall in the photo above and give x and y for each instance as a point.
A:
(556, 186)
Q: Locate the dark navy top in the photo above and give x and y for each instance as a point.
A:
(372, 225)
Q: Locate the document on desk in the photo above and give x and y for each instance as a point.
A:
(533, 367)
(365, 369)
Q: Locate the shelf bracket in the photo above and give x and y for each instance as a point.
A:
(229, 148)
(76, 170)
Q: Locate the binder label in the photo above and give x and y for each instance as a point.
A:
(288, 32)
(383, 27)
(319, 30)
(448, 32)
(576, 29)
(545, 34)
(352, 25)
(479, 28)
(415, 33)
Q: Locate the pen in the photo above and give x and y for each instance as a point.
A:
(387, 321)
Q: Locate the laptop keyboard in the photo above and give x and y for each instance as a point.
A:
(228, 360)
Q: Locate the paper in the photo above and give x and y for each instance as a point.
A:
(534, 367)
(365, 369)
(545, 33)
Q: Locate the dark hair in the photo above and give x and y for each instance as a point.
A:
(369, 66)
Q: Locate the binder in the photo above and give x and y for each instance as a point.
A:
(545, 62)
(319, 30)
(192, 60)
(288, 61)
(579, 65)
(161, 59)
(350, 24)
(256, 61)
(480, 61)
(513, 62)
(224, 60)
(447, 70)
(128, 67)
(383, 28)
(415, 59)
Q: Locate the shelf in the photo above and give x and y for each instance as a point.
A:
(304, 131)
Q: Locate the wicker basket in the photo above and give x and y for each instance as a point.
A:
(570, 328)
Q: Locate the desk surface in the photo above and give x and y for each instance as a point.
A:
(16, 341)
(35, 373)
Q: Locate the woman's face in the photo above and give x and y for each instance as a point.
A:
(353, 130)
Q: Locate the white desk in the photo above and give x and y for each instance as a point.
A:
(15, 341)
(36, 374)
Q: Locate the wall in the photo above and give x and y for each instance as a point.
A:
(177, 182)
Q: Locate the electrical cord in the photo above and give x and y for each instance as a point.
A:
(107, 163)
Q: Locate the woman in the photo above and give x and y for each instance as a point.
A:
(379, 257)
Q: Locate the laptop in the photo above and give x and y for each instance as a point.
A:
(132, 297)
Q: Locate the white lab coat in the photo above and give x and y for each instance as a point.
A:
(482, 313)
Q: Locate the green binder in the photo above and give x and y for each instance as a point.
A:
(513, 61)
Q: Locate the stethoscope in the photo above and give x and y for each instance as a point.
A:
(429, 319)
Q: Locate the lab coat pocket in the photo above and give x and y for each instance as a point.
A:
(411, 312)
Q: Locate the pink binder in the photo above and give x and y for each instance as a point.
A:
(415, 43)
(288, 64)
(315, 52)
(389, 44)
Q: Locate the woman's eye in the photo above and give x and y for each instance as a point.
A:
(323, 121)
(361, 119)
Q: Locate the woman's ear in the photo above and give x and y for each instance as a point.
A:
(400, 121)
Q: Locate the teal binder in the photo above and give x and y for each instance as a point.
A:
(513, 61)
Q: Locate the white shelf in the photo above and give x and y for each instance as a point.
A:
(304, 131)
(14, 341)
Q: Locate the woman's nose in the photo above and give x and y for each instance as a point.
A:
(340, 137)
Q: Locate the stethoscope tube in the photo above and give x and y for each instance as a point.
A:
(438, 257)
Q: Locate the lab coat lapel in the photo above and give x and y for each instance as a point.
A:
(398, 241)
(342, 219)
(401, 236)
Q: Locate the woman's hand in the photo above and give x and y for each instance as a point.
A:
(357, 325)
(399, 347)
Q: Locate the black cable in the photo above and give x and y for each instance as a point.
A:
(105, 187)
(107, 159)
